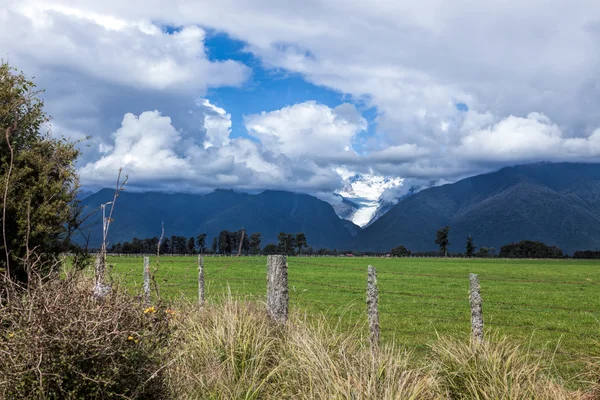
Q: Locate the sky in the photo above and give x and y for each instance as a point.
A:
(191, 95)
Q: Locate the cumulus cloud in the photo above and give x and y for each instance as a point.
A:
(154, 153)
(307, 130)
(524, 73)
(132, 53)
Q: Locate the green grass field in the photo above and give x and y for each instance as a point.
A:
(548, 305)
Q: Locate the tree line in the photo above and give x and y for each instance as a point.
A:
(226, 242)
(522, 249)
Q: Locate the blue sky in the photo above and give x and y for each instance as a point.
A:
(303, 96)
(267, 88)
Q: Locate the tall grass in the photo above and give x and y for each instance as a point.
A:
(233, 351)
(56, 341)
(494, 369)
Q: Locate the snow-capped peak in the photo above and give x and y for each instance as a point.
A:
(365, 190)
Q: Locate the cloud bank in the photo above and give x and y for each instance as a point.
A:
(431, 91)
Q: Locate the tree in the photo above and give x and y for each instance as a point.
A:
(470, 248)
(225, 242)
(441, 239)
(530, 249)
(301, 241)
(165, 246)
(214, 244)
(191, 245)
(287, 243)
(270, 249)
(201, 242)
(400, 251)
(255, 243)
(38, 181)
(483, 252)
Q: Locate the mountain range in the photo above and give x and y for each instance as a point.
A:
(557, 203)
(142, 215)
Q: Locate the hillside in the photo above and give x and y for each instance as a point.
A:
(554, 203)
(270, 212)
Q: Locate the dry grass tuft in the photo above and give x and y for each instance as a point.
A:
(495, 369)
(233, 351)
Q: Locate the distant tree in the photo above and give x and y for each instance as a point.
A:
(191, 245)
(282, 237)
(245, 243)
(225, 242)
(400, 251)
(270, 249)
(301, 241)
(441, 239)
(483, 252)
(530, 249)
(587, 254)
(165, 246)
(255, 243)
(214, 244)
(287, 243)
(470, 248)
(234, 241)
(201, 242)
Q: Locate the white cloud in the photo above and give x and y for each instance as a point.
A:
(155, 154)
(137, 54)
(528, 72)
(307, 130)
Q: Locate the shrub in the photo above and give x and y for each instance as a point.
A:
(58, 342)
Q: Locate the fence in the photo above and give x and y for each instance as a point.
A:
(411, 303)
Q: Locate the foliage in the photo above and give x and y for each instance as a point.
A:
(301, 241)
(587, 255)
(441, 239)
(270, 249)
(255, 243)
(201, 242)
(530, 249)
(38, 179)
(58, 342)
(400, 251)
(287, 243)
(470, 247)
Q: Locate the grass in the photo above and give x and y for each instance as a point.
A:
(552, 305)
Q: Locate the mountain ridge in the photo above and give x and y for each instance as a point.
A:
(270, 212)
(556, 203)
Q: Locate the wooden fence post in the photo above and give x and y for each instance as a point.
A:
(476, 310)
(277, 288)
(201, 281)
(101, 290)
(372, 306)
(146, 280)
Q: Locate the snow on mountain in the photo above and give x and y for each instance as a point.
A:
(363, 195)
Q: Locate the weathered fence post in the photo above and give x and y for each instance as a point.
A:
(146, 280)
(201, 281)
(277, 288)
(372, 306)
(99, 269)
(101, 290)
(476, 310)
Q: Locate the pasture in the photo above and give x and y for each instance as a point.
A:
(548, 305)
